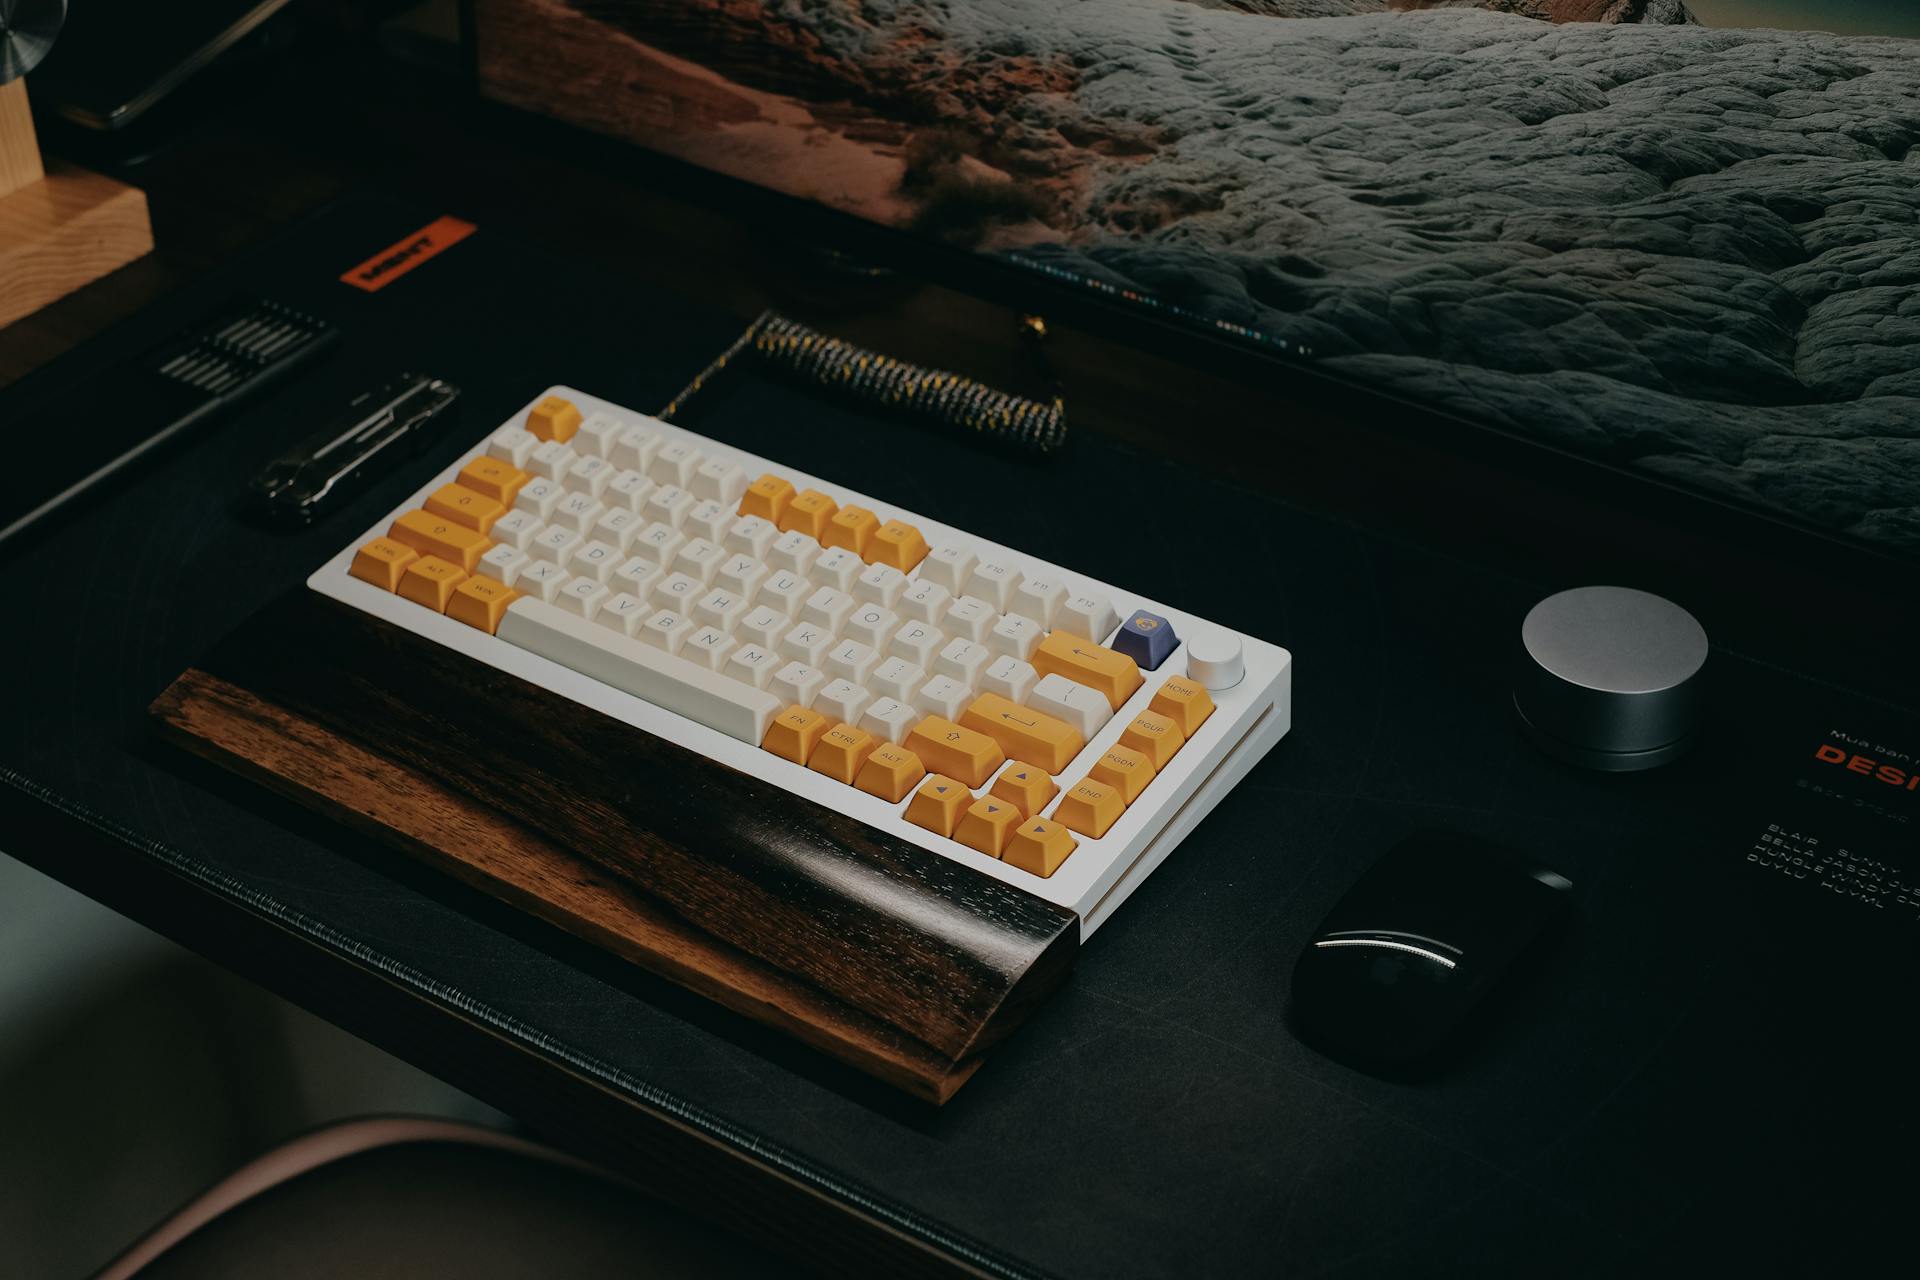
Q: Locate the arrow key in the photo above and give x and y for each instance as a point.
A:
(1026, 787)
(987, 824)
(937, 804)
(1039, 845)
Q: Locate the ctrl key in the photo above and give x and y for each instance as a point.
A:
(381, 562)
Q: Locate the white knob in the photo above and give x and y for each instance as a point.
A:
(1213, 658)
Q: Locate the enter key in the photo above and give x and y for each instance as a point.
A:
(1029, 736)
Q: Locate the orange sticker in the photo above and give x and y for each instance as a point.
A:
(394, 261)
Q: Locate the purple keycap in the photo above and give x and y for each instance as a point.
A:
(1147, 638)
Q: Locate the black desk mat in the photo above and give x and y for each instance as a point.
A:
(1714, 1069)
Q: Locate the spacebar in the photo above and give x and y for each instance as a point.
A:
(736, 709)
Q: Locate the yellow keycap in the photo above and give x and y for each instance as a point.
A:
(1025, 788)
(1024, 734)
(480, 602)
(463, 506)
(955, 751)
(986, 825)
(1125, 770)
(554, 418)
(890, 772)
(1154, 736)
(1090, 807)
(937, 804)
(381, 562)
(899, 544)
(1184, 702)
(795, 732)
(852, 528)
(841, 752)
(433, 535)
(430, 581)
(767, 498)
(1039, 845)
(1114, 675)
(808, 513)
(495, 477)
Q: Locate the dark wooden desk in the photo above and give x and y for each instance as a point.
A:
(233, 182)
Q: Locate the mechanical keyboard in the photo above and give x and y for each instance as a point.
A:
(1051, 731)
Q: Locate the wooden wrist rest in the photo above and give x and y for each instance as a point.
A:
(894, 959)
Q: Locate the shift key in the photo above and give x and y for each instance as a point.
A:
(1029, 736)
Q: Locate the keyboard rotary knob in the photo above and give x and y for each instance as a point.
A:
(1213, 659)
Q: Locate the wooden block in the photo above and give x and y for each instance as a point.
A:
(19, 149)
(64, 231)
(901, 962)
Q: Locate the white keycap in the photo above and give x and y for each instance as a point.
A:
(752, 664)
(668, 505)
(516, 528)
(806, 642)
(943, 696)
(949, 566)
(794, 550)
(827, 607)
(551, 460)
(699, 559)
(1083, 708)
(597, 434)
(924, 601)
(542, 578)
(623, 612)
(751, 536)
(628, 489)
(674, 464)
(590, 475)
(582, 596)
(658, 542)
(879, 584)
(836, 567)
(503, 561)
(796, 683)
(618, 526)
(538, 497)
(513, 444)
(971, 617)
(1011, 678)
(889, 719)
(740, 572)
(709, 646)
(851, 660)
(1038, 598)
(917, 642)
(554, 543)
(636, 576)
(594, 560)
(709, 519)
(667, 630)
(897, 678)
(1016, 636)
(676, 685)
(721, 480)
(871, 624)
(962, 659)
(784, 590)
(721, 608)
(578, 511)
(1091, 617)
(841, 701)
(634, 448)
(762, 626)
(993, 581)
(677, 592)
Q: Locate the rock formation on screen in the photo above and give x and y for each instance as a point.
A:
(1688, 250)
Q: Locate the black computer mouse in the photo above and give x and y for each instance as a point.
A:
(1394, 972)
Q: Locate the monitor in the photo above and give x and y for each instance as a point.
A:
(1678, 237)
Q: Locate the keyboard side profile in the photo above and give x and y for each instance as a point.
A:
(882, 670)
